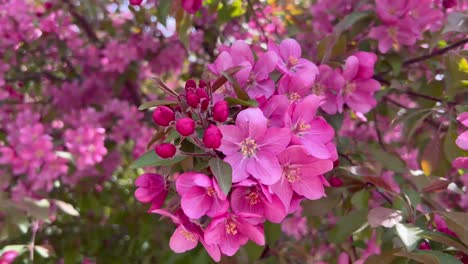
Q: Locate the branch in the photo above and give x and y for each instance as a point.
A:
(436, 53)
(81, 20)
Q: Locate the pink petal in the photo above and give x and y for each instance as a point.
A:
(241, 52)
(351, 67)
(253, 121)
(463, 118)
(290, 48)
(232, 136)
(315, 148)
(310, 187)
(275, 211)
(275, 140)
(218, 207)
(462, 140)
(254, 232)
(186, 181)
(196, 202)
(265, 167)
(183, 240)
(283, 190)
(239, 166)
(265, 64)
(240, 203)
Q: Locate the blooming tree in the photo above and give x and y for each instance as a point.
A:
(144, 131)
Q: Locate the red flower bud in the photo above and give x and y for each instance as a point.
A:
(165, 150)
(190, 85)
(48, 5)
(136, 2)
(192, 99)
(425, 246)
(8, 257)
(449, 3)
(204, 104)
(212, 137)
(220, 111)
(201, 84)
(185, 126)
(163, 115)
(335, 181)
(201, 93)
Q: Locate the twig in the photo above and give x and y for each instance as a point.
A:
(435, 53)
(379, 134)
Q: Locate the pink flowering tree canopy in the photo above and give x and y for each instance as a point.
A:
(160, 131)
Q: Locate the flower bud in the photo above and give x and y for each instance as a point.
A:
(335, 181)
(212, 137)
(449, 3)
(201, 93)
(192, 99)
(136, 2)
(204, 104)
(8, 257)
(190, 85)
(163, 115)
(220, 111)
(202, 84)
(185, 126)
(165, 150)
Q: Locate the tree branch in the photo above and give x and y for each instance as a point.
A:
(435, 53)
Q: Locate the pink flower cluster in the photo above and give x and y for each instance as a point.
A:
(404, 22)
(278, 151)
(462, 142)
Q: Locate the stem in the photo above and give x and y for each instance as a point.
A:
(34, 228)
(435, 53)
(379, 134)
(81, 20)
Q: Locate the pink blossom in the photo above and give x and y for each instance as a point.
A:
(212, 137)
(302, 174)
(290, 60)
(200, 195)
(251, 147)
(187, 235)
(151, 189)
(250, 197)
(394, 36)
(314, 133)
(329, 84)
(86, 144)
(296, 225)
(358, 91)
(230, 231)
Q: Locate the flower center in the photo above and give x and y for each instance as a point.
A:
(292, 61)
(294, 97)
(188, 235)
(231, 228)
(292, 174)
(210, 191)
(318, 89)
(248, 147)
(350, 88)
(252, 197)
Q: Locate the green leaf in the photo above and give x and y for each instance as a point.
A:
(455, 76)
(272, 232)
(409, 234)
(430, 257)
(451, 150)
(445, 239)
(150, 158)
(381, 216)
(156, 103)
(230, 11)
(162, 12)
(346, 225)
(222, 79)
(388, 160)
(350, 20)
(39, 209)
(456, 22)
(457, 222)
(223, 173)
(43, 251)
(241, 94)
(237, 101)
(360, 200)
(66, 208)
